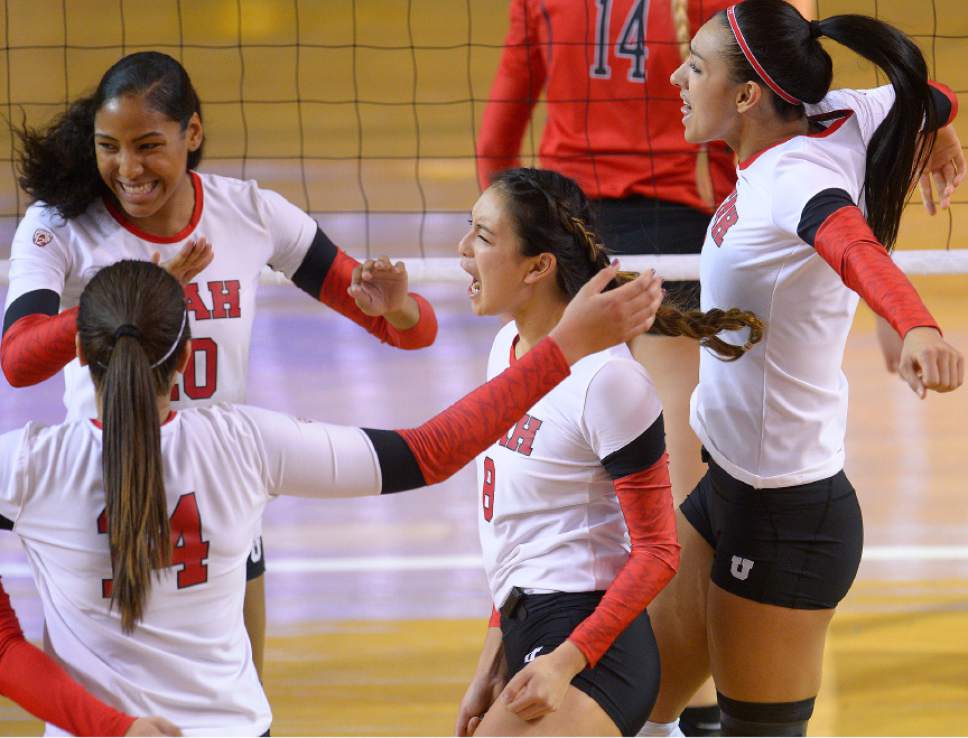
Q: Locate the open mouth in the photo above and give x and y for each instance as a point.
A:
(474, 288)
(137, 191)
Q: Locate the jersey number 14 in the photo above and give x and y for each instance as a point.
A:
(188, 550)
(630, 44)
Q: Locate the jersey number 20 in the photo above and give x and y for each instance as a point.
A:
(630, 44)
(187, 547)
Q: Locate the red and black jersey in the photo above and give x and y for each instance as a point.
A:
(614, 121)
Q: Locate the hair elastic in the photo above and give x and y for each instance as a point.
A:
(132, 331)
(757, 67)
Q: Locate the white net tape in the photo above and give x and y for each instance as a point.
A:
(447, 269)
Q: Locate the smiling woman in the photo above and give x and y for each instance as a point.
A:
(114, 178)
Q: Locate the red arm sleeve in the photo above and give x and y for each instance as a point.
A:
(514, 93)
(450, 439)
(846, 242)
(38, 346)
(40, 686)
(646, 501)
(333, 293)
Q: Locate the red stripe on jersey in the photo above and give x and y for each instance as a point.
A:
(952, 98)
(646, 501)
(38, 346)
(842, 117)
(120, 216)
(40, 686)
(846, 242)
(333, 293)
(495, 620)
(450, 439)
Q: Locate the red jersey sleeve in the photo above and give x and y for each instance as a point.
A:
(517, 85)
(40, 686)
(845, 241)
(333, 293)
(37, 346)
(646, 501)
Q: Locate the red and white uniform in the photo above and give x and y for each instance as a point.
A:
(248, 227)
(189, 658)
(614, 121)
(790, 246)
(550, 518)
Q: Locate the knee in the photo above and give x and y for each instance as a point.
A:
(764, 718)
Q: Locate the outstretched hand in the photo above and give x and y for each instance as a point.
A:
(928, 362)
(945, 168)
(147, 726)
(595, 320)
(188, 263)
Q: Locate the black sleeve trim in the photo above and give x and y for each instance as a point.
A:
(942, 105)
(640, 454)
(45, 302)
(820, 207)
(5, 523)
(398, 466)
(311, 274)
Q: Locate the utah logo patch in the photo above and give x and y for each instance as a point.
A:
(42, 237)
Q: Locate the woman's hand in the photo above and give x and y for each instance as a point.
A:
(928, 362)
(595, 320)
(189, 262)
(153, 726)
(945, 167)
(379, 287)
(480, 695)
(540, 687)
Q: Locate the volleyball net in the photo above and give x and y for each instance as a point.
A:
(365, 112)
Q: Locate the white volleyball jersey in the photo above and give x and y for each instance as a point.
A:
(189, 659)
(777, 416)
(549, 518)
(248, 228)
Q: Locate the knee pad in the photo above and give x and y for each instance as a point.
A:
(765, 718)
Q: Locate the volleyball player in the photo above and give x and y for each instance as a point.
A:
(583, 471)
(137, 524)
(772, 535)
(613, 126)
(114, 178)
(40, 686)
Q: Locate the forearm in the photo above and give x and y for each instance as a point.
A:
(37, 341)
(432, 452)
(39, 685)
(646, 501)
(491, 664)
(845, 241)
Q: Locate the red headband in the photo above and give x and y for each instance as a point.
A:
(758, 68)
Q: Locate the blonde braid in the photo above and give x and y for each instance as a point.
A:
(704, 180)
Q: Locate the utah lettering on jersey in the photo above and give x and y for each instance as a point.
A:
(726, 216)
(224, 300)
(521, 436)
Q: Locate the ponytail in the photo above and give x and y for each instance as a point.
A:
(899, 149)
(138, 527)
(132, 327)
(58, 165)
(787, 47)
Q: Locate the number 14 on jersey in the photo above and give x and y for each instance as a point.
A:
(630, 44)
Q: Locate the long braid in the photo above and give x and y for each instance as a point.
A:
(550, 214)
